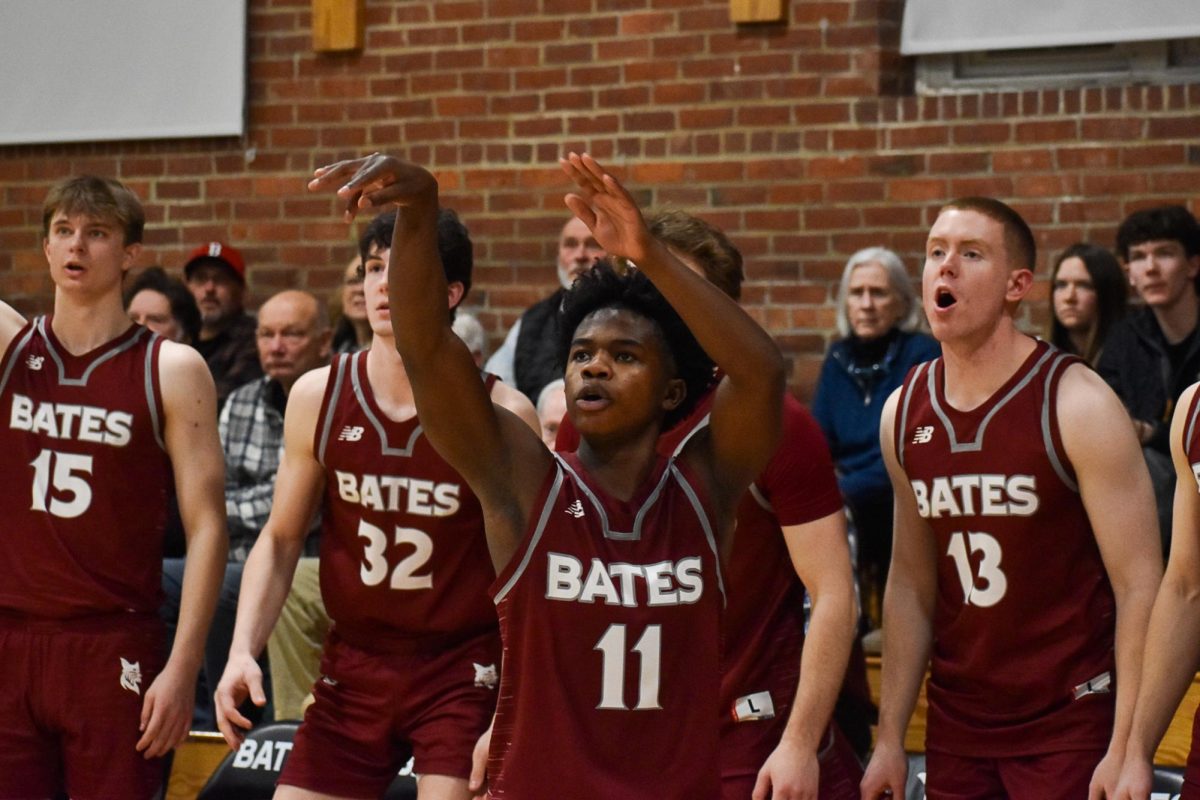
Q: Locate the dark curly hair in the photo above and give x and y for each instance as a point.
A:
(454, 244)
(603, 287)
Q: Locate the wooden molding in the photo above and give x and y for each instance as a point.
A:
(756, 10)
(337, 25)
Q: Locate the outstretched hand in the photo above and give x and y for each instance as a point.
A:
(604, 205)
(375, 181)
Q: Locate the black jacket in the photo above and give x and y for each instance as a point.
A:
(1134, 363)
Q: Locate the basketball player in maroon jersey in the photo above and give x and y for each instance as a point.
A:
(412, 660)
(609, 588)
(1173, 639)
(1025, 557)
(791, 538)
(100, 414)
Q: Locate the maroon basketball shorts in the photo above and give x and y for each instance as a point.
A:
(372, 710)
(70, 705)
(1191, 776)
(745, 747)
(1064, 775)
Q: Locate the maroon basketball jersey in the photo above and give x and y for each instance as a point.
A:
(86, 476)
(610, 613)
(1191, 447)
(404, 561)
(1024, 620)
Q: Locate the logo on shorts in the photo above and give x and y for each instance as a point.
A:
(131, 676)
(575, 509)
(35, 362)
(923, 435)
(485, 675)
(350, 433)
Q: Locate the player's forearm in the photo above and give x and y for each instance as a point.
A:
(417, 281)
(1173, 640)
(907, 638)
(266, 581)
(1133, 616)
(822, 666)
(203, 571)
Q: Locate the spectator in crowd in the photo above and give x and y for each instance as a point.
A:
(471, 331)
(164, 305)
(352, 331)
(877, 316)
(1088, 296)
(551, 408)
(292, 338)
(527, 359)
(1153, 354)
(216, 274)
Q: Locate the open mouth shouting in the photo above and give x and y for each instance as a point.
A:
(944, 298)
(592, 397)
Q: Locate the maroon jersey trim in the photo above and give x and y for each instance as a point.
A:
(14, 351)
(366, 401)
(1189, 434)
(935, 402)
(154, 389)
(624, 536)
(910, 383)
(333, 389)
(111, 350)
(531, 545)
(1050, 434)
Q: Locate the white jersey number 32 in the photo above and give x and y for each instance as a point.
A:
(987, 587)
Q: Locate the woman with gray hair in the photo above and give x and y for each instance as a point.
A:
(878, 315)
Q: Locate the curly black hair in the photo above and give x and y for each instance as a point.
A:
(604, 287)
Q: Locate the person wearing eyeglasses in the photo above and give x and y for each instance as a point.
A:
(878, 314)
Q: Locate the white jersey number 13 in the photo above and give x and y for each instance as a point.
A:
(986, 588)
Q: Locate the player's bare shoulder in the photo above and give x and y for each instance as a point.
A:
(507, 397)
(11, 322)
(184, 378)
(1086, 404)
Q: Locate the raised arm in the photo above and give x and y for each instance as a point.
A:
(747, 409)
(908, 604)
(497, 453)
(1116, 492)
(269, 568)
(190, 436)
(1173, 637)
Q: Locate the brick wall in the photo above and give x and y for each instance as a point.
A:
(803, 140)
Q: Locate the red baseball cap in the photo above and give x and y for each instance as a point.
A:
(217, 251)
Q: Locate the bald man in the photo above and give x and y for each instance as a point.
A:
(293, 337)
(527, 358)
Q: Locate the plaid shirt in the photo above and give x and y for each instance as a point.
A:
(251, 429)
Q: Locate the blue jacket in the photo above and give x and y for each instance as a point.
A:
(848, 408)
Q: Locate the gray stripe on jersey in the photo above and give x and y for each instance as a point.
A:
(338, 380)
(703, 423)
(387, 449)
(1188, 435)
(1056, 460)
(759, 498)
(82, 380)
(547, 507)
(902, 438)
(709, 536)
(155, 422)
(623, 536)
(15, 356)
(975, 446)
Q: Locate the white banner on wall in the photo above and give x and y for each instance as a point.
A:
(89, 70)
(956, 26)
